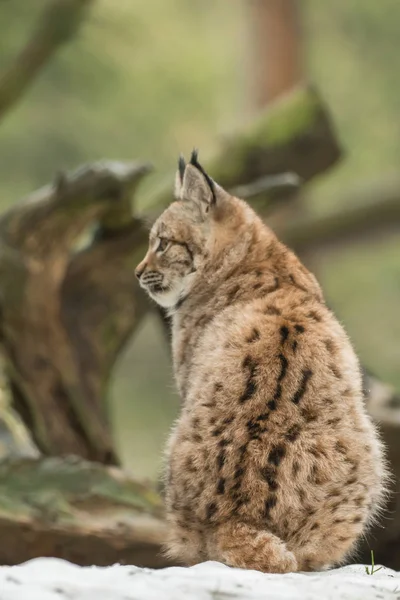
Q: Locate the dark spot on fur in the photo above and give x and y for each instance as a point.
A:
(357, 519)
(272, 310)
(255, 430)
(269, 505)
(218, 386)
(263, 417)
(278, 391)
(228, 420)
(274, 286)
(236, 487)
(314, 475)
(306, 375)
(284, 366)
(197, 437)
(211, 509)
(276, 454)
(209, 404)
(239, 472)
(216, 432)
(232, 293)
(221, 486)
(293, 433)
(254, 336)
(299, 328)
(212, 420)
(269, 474)
(250, 390)
(294, 346)
(251, 385)
(302, 495)
(314, 316)
(189, 465)
(243, 450)
(314, 527)
(334, 421)
(223, 443)
(351, 480)
(309, 415)
(330, 346)
(257, 286)
(284, 331)
(272, 405)
(341, 448)
(221, 459)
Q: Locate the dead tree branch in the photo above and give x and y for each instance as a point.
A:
(57, 25)
(66, 313)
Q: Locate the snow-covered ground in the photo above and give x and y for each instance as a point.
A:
(54, 579)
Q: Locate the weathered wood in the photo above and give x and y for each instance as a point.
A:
(57, 25)
(80, 511)
(368, 211)
(67, 312)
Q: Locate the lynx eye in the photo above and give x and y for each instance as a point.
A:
(163, 245)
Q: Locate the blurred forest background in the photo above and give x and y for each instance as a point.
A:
(151, 79)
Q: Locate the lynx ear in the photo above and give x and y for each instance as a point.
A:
(179, 177)
(194, 184)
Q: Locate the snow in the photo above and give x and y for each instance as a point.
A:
(54, 579)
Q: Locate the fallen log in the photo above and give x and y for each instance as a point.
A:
(79, 511)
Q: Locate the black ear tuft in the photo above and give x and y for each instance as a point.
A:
(194, 161)
(194, 157)
(181, 167)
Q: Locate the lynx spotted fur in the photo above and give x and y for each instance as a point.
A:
(273, 463)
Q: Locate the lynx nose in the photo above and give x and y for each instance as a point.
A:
(140, 269)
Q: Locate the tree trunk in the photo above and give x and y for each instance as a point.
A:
(276, 49)
(66, 313)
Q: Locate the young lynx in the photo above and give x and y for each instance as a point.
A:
(273, 463)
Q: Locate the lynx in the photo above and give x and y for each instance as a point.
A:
(273, 463)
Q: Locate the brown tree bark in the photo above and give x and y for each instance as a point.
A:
(66, 313)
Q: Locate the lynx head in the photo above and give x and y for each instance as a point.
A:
(184, 238)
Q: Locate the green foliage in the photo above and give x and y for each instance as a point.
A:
(372, 570)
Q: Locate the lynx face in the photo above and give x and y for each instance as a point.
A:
(180, 242)
(169, 266)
